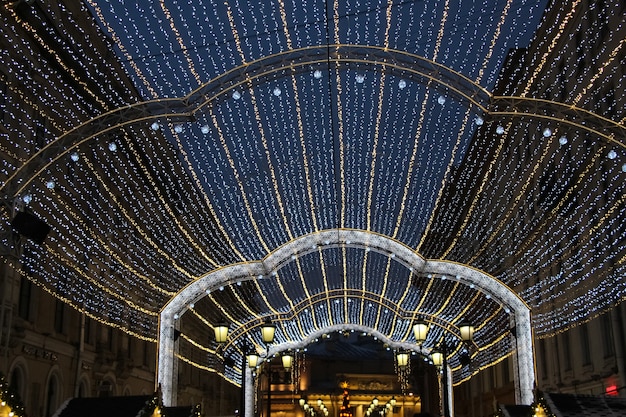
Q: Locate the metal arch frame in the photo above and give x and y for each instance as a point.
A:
(299, 60)
(525, 378)
(322, 297)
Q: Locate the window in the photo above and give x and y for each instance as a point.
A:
(567, 355)
(146, 353)
(52, 395)
(26, 289)
(584, 343)
(110, 338)
(544, 357)
(87, 335)
(506, 376)
(59, 316)
(17, 382)
(608, 343)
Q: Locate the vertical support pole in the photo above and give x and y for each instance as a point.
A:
(525, 381)
(269, 387)
(446, 392)
(249, 393)
(167, 375)
(242, 400)
(450, 393)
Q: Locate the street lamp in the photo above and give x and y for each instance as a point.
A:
(221, 332)
(287, 359)
(403, 359)
(467, 331)
(267, 332)
(420, 331)
(253, 360)
(437, 357)
(440, 358)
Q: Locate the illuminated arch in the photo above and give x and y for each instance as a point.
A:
(358, 238)
(275, 66)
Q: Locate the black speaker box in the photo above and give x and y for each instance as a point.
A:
(30, 226)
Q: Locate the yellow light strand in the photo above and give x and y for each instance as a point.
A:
(132, 221)
(307, 295)
(119, 297)
(326, 291)
(173, 217)
(383, 291)
(340, 127)
(198, 345)
(282, 290)
(598, 72)
(418, 308)
(444, 305)
(181, 42)
(59, 61)
(75, 306)
(231, 163)
(379, 115)
(558, 206)
(258, 119)
(461, 313)
(105, 246)
(363, 286)
(418, 131)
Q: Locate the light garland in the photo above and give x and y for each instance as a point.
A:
(10, 400)
(340, 144)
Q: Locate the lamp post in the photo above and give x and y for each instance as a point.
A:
(268, 330)
(440, 358)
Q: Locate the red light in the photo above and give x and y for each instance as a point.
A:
(611, 390)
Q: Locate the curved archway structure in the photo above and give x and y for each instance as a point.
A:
(280, 65)
(489, 289)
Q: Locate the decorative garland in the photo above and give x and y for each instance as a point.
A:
(10, 398)
(150, 406)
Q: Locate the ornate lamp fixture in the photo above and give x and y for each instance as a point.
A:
(287, 359)
(253, 360)
(437, 357)
(467, 331)
(420, 331)
(221, 332)
(403, 359)
(267, 332)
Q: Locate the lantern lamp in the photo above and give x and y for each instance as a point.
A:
(467, 331)
(420, 331)
(267, 332)
(221, 332)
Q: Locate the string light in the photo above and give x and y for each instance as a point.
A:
(273, 159)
